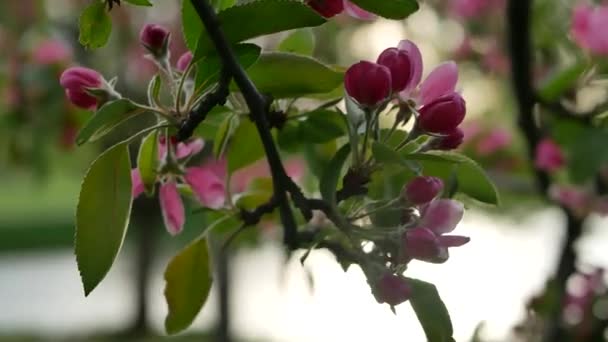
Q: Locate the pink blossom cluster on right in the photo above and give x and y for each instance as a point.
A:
(589, 28)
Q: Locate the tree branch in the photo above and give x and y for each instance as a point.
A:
(258, 107)
(519, 21)
(198, 114)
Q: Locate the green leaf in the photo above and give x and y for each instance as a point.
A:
(391, 9)
(147, 161)
(431, 311)
(258, 18)
(191, 25)
(139, 2)
(209, 127)
(331, 176)
(472, 179)
(561, 82)
(385, 154)
(102, 214)
(189, 279)
(300, 41)
(221, 5)
(322, 126)
(208, 68)
(289, 75)
(154, 88)
(109, 116)
(223, 134)
(246, 146)
(95, 26)
(587, 155)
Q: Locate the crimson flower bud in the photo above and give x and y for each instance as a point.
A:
(155, 38)
(76, 81)
(443, 114)
(368, 83)
(452, 140)
(398, 62)
(392, 289)
(327, 8)
(183, 61)
(422, 190)
(548, 156)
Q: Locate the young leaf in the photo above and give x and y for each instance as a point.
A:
(106, 119)
(289, 75)
(208, 128)
(322, 126)
(188, 278)
(300, 41)
(331, 175)
(431, 311)
(95, 26)
(245, 147)
(154, 90)
(391, 9)
(191, 25)
(147, 161)
(558, 84)
(221, 5)
(223, 134)
(102, 214)
(258, 18)
(385, 154)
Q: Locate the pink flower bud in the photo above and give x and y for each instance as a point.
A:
(452, 140)
(398, 62)
(184, 61)
(76, 81)
(207, 186)
(357, 12)
(392, 289)
(368, 83)
(443, 114)
(415, 64)
(155, 38)
(572, 197)
(52, 51)
(172, 207)
(442, 215)
(137, 185)
(441, 81)
(421, 190)
(327, 8)
(423, 244)
(549, 156)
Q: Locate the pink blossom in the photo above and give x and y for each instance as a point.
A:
(326, 8)
(588, 28)
(426, 245)
(137, 185)
(357, 12)
(208, 187)
(441, 81)
(368, 83)
(496, 139)
(572, 197)
(415, 64)
(172, 208)
(422, 189)
(442, 215)
(184, 61)
(392, 289)
(76, 81)
(182, 149)
(549, 156)
(52, 51)
(443, 114)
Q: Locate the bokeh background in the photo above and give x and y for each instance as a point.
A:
(485, 285)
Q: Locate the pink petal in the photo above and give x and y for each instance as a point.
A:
(596, 34)
(52, 51)
(357, 12)
(193, 147)
(172, 208)
(137, 185)
(442, 215)
(549, 156)
(439, 82)
(208, 187)
(497, 139)
(416, 66)
(453, 240)
(423, 244)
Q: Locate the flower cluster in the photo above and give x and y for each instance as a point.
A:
(588, 28)
(330, 8)
(396, 75)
